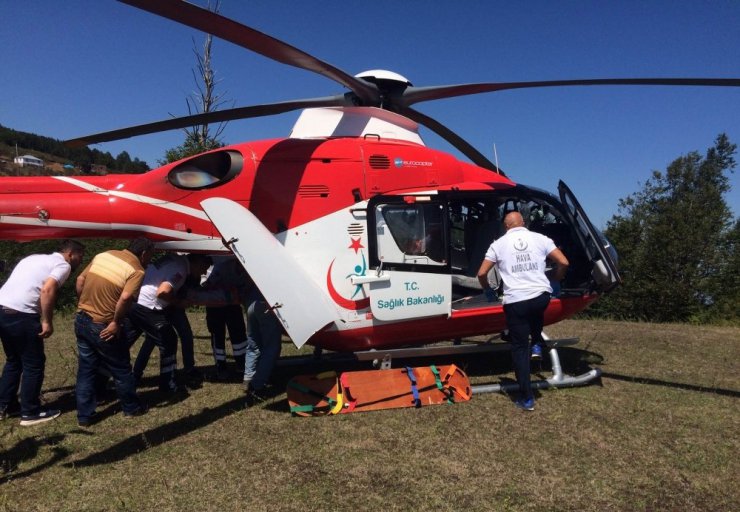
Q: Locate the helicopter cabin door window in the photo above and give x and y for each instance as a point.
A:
(604, 272)
(411, 277)
(411, 234)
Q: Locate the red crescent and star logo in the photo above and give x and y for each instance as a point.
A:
(355, 305)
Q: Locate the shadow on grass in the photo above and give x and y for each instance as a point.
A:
(677, 385)
(28, 449)
(159, 435)
(62, 398)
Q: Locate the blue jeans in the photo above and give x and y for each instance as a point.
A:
(25, 360)
(523, 319)
(263, 344)
(95, 354)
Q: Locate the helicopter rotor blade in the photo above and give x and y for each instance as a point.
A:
(217, 116)
(458, 142)
(418, 94)
(254, 40)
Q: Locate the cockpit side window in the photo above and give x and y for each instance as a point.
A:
(411, 233)
(206, 171)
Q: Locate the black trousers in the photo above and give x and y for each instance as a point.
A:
(524, 319)
(156, 326)
(218, 320)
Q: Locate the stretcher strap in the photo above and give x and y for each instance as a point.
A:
(437, 380)
(340, 402)
(442, 387)
(301, 408)
(450, 372)
(331, 374)
(331, 403)
(414, 388)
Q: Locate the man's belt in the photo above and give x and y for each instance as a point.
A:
(11, 311)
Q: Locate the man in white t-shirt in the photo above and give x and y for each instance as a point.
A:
(162, 280)
(27, 302)
(520, 256)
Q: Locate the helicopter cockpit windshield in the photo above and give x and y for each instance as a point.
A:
(206, 171)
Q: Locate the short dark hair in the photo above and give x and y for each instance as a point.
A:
(140, 245)
(68, 245)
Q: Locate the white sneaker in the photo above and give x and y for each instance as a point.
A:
(41, 417)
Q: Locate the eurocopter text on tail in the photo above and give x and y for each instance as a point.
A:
(359, 235)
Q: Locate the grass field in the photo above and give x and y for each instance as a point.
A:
(661, 431)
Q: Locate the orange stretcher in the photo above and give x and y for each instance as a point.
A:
(329, 393)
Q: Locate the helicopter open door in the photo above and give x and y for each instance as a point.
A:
(411, 277)
(604, 272)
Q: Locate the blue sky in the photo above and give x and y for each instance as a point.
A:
(78, 67)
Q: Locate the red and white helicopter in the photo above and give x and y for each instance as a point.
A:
(360, 235)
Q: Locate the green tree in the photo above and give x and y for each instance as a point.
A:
(676, 242)
(123, 162)
(726, 284)
(193, 145)
(81, 157)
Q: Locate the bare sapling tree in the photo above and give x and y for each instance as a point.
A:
(202, 137)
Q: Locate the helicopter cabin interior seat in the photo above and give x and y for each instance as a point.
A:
(479, 234)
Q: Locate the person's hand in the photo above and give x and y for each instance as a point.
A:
(110, 332)
(490, 294)
(47, 329)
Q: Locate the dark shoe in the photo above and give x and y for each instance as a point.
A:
(193, 378)
(87, 421)
(173, 389)
(141, 411)
(525, 404)
(255, 397)
(220, 374)
(14, 409)
(193, 374)
(41, 417)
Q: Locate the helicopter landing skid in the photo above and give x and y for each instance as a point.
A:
(558, 379)
(383, 359)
